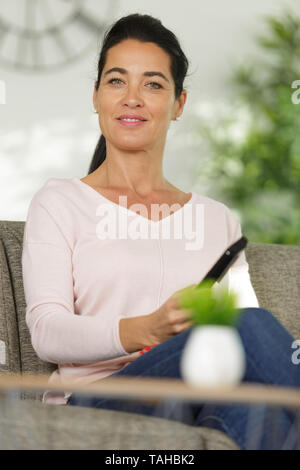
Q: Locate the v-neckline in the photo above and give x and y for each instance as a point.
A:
(155, 222)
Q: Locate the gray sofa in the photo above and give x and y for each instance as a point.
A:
(26, 423)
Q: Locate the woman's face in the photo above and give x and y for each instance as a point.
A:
(129, 91)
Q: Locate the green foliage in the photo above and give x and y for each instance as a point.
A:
(256, 146)
(208, 306)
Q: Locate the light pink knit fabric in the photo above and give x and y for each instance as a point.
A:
(79, 283)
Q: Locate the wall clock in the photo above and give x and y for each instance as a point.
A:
(42, 35)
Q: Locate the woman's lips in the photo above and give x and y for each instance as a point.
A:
(131, 124)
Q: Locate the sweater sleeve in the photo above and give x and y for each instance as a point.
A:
(58, 334)
(237, 278)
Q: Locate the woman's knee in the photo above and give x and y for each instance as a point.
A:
(255, 317)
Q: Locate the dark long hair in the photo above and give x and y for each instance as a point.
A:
(144, 28)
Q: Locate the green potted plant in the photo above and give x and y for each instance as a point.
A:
(214, 353)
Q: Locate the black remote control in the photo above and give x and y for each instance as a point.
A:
(221, 267)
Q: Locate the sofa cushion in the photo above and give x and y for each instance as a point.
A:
(32, 425)
(11, 236)
(275, 276)
(10, 360)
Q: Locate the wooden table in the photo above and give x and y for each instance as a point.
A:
(160, 389)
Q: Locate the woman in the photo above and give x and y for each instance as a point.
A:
(95, 298)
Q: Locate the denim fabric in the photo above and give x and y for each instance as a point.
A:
(268, 351)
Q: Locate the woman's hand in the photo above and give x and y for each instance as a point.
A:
(168, 320)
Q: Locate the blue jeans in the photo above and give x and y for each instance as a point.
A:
(268, 351)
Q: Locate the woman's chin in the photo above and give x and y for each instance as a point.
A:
(132, 145)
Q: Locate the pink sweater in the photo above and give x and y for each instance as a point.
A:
(82, 275)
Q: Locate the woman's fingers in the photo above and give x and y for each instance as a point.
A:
(179, 316)
(180, 327)
(182, 314)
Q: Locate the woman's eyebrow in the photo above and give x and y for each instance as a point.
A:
(146, 74)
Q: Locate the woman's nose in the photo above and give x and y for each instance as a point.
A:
(132, 96)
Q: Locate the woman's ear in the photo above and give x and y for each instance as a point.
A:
(95, 94)
(180, 102)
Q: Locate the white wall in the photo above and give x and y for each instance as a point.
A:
(48, 128)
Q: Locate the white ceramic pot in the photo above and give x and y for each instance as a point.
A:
(213, 355)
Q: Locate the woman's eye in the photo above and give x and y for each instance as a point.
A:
(114, 79)
(157, 85)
